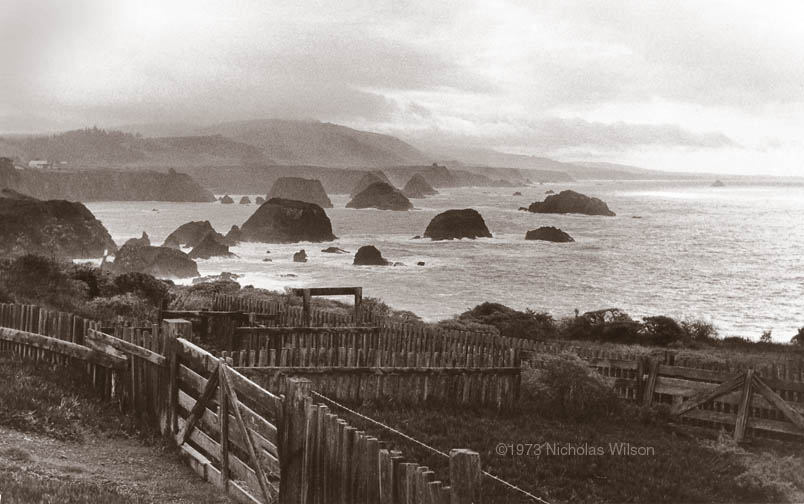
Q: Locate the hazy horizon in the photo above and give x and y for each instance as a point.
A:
(692, 87)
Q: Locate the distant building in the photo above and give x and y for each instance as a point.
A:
(40, 164)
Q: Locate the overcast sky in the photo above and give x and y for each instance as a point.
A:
(680, 85)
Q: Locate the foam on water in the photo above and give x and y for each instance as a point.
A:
(730, 255)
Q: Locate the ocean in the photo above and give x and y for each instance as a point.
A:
(733, 256)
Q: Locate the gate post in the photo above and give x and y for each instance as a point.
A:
(465, 477)
(171, 330)
(293, 434)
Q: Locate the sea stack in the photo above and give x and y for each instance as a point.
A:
(287, 221)
(190, 234)
(381, 196)
(245, 200)
(457, 224)
(571, 202)
(51, 228)
(549, 233)
(142, 241)
(210, 246)
(300, 189)
(366, 180)
(369, 255)
(418, 187)
(161, 262)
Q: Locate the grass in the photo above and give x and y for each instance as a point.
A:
(54, 400)
(23, 484)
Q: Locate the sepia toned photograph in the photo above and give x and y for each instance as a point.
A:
(401, 252)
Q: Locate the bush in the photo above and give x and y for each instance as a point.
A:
(700, 331)
(798, 339)
(145, 286)
(128, 305)
(564, 387)
(766, 336)
(619, 331)
(512, 323)
(662, 330)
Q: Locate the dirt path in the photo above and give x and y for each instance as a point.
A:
(126, 465)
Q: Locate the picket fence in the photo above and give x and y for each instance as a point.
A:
(257, 446)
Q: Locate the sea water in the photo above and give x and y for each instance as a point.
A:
(733, 256)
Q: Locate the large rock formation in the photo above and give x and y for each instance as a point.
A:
(233, 237)
(418, 187)
(245, 200)
(300, 189)
(549, 233)
(287, 221)
(227, 200)
(161, 262)
(571, 202)
(366, 180)
(52, 228)
(142, 241)
(190, 234)
(210, 246)
(369, 255)
(457, 224)
(381, 195)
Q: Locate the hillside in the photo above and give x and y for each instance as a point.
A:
(317, 143)
(105, 185)
(100, 148)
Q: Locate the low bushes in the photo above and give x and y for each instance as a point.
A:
(564, 387)
(511, 323)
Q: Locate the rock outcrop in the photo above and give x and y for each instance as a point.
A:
(245, 200)
(571, 202)
(418, 187)
(549, 233)
(259, 200)
(287, 221)
(457, 224)
(142, 241)
(161, 262)
(382, 196)
(366, 180)
(334, 250)
(517, 193)
(300, 189)
(51, 228)
(210, 246)
(233, 237)
(369, 255)
(227, 200)
(718, 183)
(190, 234)
(300, 256)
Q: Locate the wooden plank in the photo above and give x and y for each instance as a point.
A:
(125, 346)
(780, 404)
(745, 401)
(708, 395)
(267, 491)
(705, 375)
(379, 371)
(307, 330)
(63, 347)
(199, 407)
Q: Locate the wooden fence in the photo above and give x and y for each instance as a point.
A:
(256, 446)
(489, 387)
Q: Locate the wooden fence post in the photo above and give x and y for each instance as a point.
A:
(745, 406)
(292, 487)
(172, 329)
(465, 477)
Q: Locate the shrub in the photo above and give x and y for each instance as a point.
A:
(766, 337)
(564, 387)
(512, 323)
(145, 286)
(123, 305)
(798, 339)
(662, 330)
(615, 331)
(700, 330)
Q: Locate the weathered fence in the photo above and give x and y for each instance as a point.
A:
(490, 387)
(255, 445)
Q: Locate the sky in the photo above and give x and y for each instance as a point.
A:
(711, 86)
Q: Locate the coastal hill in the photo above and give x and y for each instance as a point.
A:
(319, 143)
(105, 185)
(93, 147)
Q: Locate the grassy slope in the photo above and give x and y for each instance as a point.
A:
(59, 444)
(682, 469)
